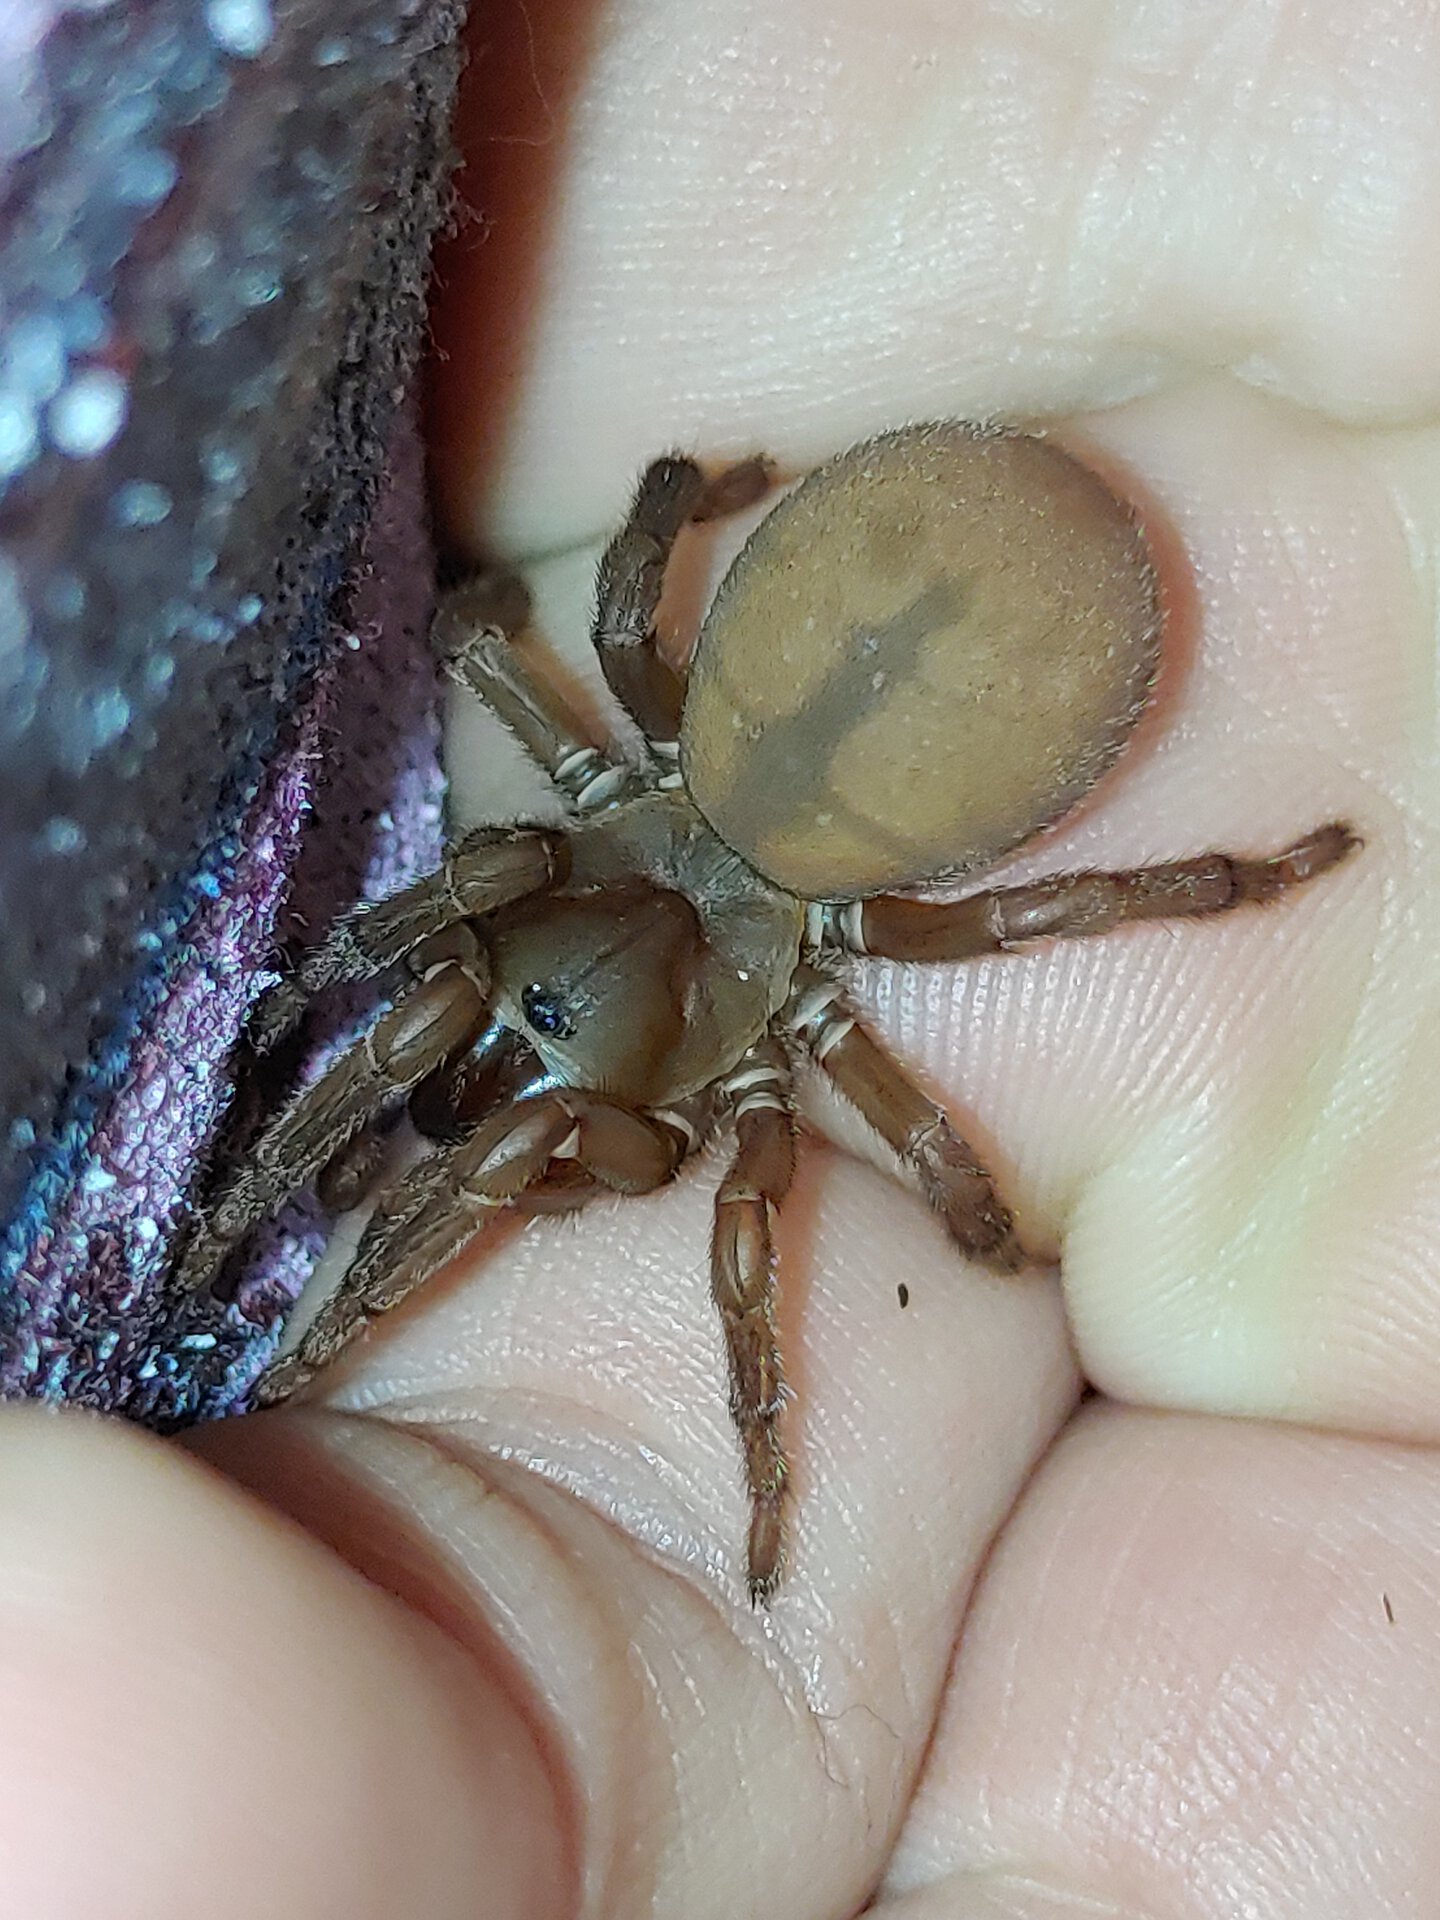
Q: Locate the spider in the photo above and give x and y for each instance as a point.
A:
(927, 653)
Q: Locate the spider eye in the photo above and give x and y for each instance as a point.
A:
(546, 1012)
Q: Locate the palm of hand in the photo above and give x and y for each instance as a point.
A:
(1196, 1672)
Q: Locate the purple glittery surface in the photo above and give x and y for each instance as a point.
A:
(358, 769)
(217, 707)
(215, 224)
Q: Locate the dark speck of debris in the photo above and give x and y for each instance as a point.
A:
(1389, 1610)
(902, 1294)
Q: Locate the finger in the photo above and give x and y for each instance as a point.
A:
(1201, 1675)
(206, 1713)
(697, 225)
(556, 1460)
(1229, 1127)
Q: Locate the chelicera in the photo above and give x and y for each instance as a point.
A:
(928, 652)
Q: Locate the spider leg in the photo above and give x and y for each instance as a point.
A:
(424, 1220)
(487, 869)
(437, 1017)
(1067, 905)
(949, 1171)
(473, 637)
(743, 1281)
(496, 1066)
(343, 1182)
(672, 491)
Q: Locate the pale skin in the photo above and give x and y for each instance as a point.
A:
(1171, 1653)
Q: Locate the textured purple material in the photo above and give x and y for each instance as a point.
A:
(362, 761)
(215, 222)
(88, 1292)
(215, 219)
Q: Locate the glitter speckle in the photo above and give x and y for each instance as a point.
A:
(222, 466)
(241, 27)
(18, 435)
(88, 414)
(14, 616)
(60, 834)
(143, 179)
(65, 595)
(35, 357)
(110, 716)
(257, 287)
(140, 503)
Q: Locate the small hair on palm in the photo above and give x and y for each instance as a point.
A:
(928, 652)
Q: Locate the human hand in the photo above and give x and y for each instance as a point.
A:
(1196, 1672)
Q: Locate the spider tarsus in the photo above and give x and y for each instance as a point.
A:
(735, 488)
(345, 1179)
(283, 1379)
(1265, 880)
(497, 599)
(276, 1015)
(964, 1195)
(667, 488)
(765, 1559)
(991, 1239)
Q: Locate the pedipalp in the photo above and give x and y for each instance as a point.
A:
(439, 1016)
(486, 870)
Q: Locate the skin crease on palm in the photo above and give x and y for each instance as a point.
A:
(467, 1633)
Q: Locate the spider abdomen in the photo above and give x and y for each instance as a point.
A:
(931, 650)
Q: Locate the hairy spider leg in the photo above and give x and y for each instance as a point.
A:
(672, 492)
(1068, 905)
(479, 652)
(500, 1066)
(467, 1086)
(425, 1218)
(487, 869)
(949, 1171)
(743, 1284)
(439, 1016)
(348, 1176)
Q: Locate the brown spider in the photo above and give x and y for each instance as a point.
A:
(928, 652)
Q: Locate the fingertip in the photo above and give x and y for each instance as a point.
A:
(207, 1712)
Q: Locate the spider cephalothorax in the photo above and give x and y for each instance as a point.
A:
(925, 654)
